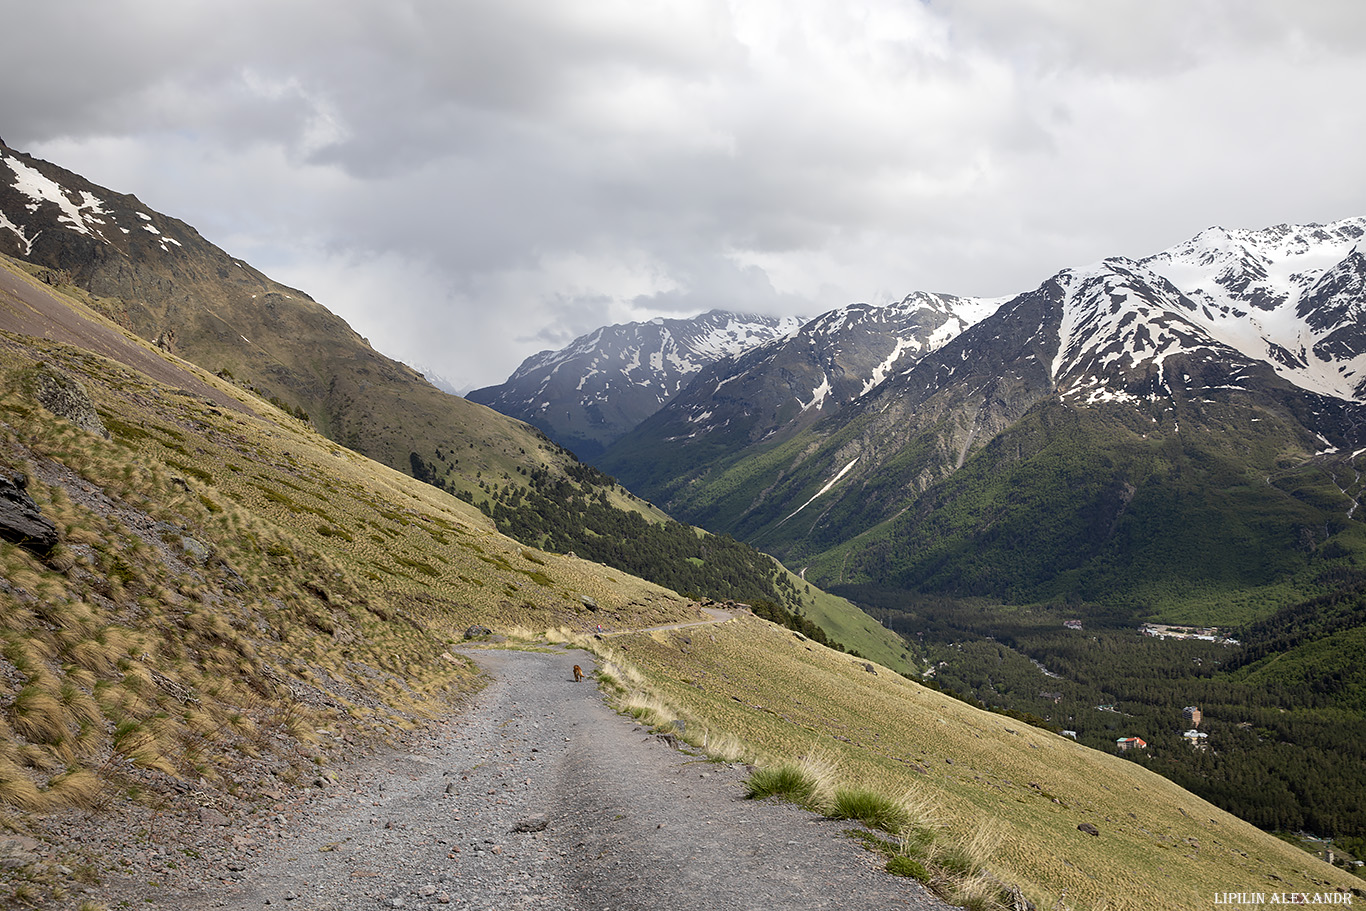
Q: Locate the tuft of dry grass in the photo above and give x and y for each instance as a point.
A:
(144, 745)
(786, 781)
(37, 715)
(870, 806)
(76, 788)
(16, 788)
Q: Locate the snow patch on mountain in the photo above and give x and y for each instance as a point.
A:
(883, 370)
(826, 489)
(79, 211)
(39, 188)
(1289, 296)
(819, 394)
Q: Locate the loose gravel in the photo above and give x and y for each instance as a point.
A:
(540, 796)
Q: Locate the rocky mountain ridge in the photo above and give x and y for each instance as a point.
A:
(790, 383)
(588, 394)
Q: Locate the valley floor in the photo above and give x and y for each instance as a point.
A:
(537, 795)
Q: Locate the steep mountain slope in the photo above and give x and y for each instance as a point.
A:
(1107, 434)
(231, 602)
(772, 392)
(591, 392)
(157, 277)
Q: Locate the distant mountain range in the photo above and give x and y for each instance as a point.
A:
(1193, 415)
(587, 395)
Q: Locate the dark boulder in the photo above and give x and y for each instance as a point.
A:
(477, 632)
(1088, 829)
(21, 521)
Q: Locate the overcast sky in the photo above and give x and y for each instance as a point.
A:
(468, 182)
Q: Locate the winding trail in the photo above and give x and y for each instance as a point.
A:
(538, 795)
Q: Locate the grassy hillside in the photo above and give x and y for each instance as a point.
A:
(1181, 522)
(847, 624)
(1017, 793)
(534, 490)
(235, 600)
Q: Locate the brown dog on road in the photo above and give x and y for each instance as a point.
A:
(578, 673)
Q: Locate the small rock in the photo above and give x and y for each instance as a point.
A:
(208, 816)
(1088, 829)
(443, 898)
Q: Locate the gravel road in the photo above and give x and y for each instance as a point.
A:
(540, 796)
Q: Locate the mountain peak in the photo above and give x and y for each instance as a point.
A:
(599, 386)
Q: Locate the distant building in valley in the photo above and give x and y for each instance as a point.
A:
(1131, 743)
(1193, 715)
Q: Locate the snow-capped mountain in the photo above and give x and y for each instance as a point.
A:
(1290, 295)
(1246, 342)
(789, 383)
(601, 385)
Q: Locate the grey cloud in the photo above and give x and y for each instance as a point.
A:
(467, 181)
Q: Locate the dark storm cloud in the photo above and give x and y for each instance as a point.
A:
(466, 182)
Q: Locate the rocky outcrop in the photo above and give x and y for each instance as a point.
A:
(21, 521)
(65, 397)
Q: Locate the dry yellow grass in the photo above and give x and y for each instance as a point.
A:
(991, 785)
(223, 579)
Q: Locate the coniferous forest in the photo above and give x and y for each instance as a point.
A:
(574, 514)
(1284, 709)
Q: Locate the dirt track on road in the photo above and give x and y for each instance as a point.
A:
(538, 795)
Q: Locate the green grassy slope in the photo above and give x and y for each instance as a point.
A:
(1188, 525)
